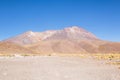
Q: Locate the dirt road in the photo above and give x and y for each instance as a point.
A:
(56, 68)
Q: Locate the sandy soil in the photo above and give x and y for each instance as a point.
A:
(56, 68)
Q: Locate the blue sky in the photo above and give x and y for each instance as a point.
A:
(101, 17)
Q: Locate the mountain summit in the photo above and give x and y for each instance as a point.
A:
(76, 33)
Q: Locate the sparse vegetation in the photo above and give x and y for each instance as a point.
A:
(81, 55)
(7, 55)
(106, 56)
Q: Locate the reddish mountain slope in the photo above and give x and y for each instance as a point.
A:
(110, 47)
(11, 48)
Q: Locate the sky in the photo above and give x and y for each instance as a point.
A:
(101, 17)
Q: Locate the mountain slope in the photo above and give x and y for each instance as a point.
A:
(10, 48)
(25, 38)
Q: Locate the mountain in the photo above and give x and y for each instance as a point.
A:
(69, 40)
(71, 33)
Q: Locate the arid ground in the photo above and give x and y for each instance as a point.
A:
(56, 68)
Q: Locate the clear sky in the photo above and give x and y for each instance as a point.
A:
(101, 17)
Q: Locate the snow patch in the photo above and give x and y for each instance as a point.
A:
(30, 34)
(48, 34)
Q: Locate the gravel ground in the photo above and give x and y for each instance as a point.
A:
(56, 68)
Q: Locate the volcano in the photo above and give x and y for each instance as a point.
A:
(69, 40)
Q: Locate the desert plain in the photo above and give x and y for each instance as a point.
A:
(58, 68)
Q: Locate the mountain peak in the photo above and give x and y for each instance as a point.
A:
(29, 32)
(75, 29)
